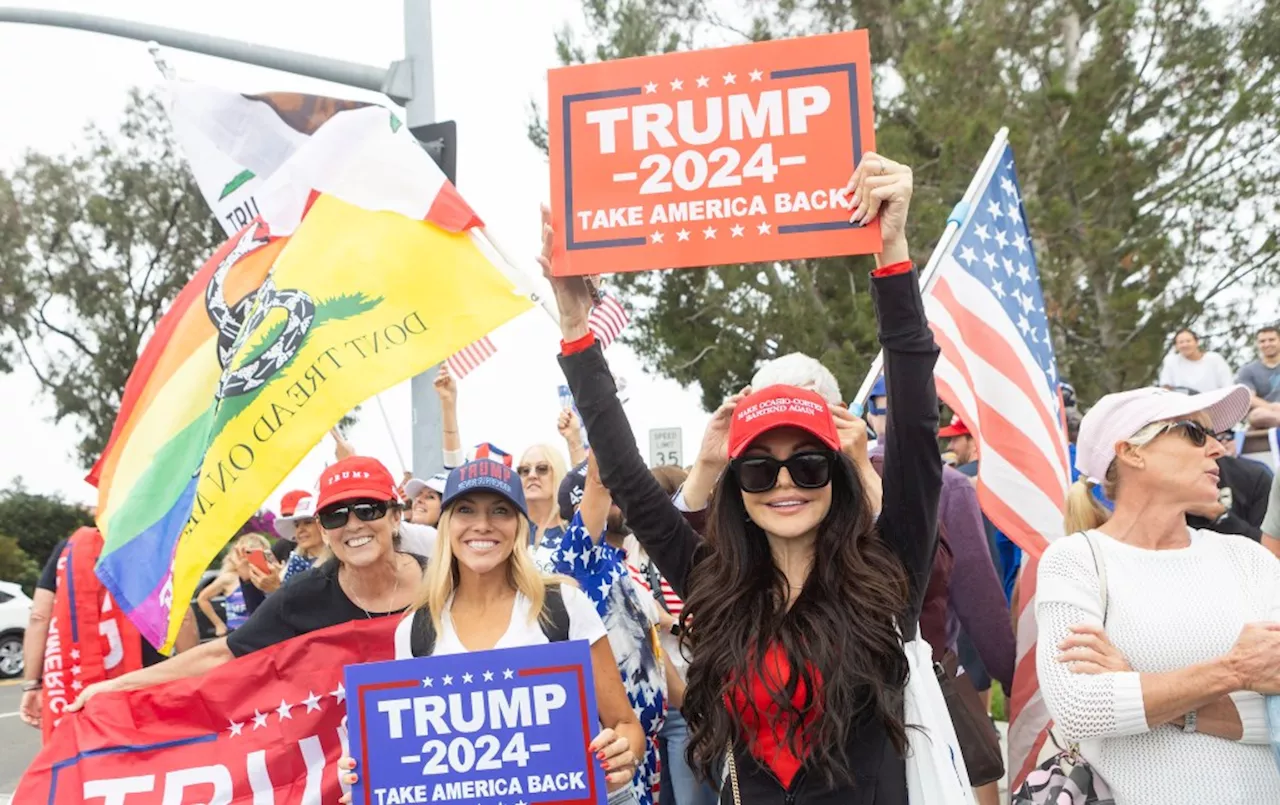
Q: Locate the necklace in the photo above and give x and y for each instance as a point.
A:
(395, 589)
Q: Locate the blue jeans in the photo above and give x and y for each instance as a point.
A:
(679, 784)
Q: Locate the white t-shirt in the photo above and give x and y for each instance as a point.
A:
(1210, 373)
(584, 624)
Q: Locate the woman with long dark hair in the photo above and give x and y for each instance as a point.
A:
(798, 602)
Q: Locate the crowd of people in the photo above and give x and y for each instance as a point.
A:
(748, 617)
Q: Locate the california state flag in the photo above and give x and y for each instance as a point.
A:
(234, 142)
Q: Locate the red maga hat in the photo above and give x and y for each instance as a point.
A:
(781, 407)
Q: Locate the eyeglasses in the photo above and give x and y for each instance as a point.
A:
(808, 470)
(333, 519)
(524, 470)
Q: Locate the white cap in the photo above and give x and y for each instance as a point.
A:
(1117, 417)
(435, 483)
(306, 509)
(798, 369)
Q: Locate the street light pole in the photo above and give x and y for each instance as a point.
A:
(426, 432)
(408, 82)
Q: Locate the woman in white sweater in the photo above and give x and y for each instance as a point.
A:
(1161, 687)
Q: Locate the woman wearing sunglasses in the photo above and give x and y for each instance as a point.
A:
(798, 600)
(541, 470)
(367, 577)
(1156, 639)
(483, 592)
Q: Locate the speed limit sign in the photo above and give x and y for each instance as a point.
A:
(666, 447)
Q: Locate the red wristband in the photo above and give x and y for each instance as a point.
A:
(892, 268)
(581, 345)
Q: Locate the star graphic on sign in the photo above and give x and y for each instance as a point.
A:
(75, 653)
(1015, 214)
(682, 235)
(657, 238)
(994, 209)
(1019, 243)
(763, 228)
(1024, 272)
(1001, 238)
(75, 670)
(508, 674)
(312, 701)
(703, 81)
(448, 680)
(259, 719)
(466, 679)
(235, 728)
(709, 233)
(340, 693)
(284, 710)
(488, 676)
(967, 255)
(76, 685)
(756, 75)
(650, 88)
(729, 78)
(989, 259)
(736, 231)
(983, 235)
(677, 84)
(427, 682)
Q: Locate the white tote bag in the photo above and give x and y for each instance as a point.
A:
(935, 768)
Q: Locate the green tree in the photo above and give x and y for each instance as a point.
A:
(94, 245)
(16, 565)
(38, 522)
(1141, 130)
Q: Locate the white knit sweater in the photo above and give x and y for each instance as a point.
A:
(1165, 610)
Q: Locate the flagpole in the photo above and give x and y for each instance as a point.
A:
(959, 214)
(391, 434)
(519, 278)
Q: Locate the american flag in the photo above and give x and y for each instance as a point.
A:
(997, 372)
(465, 360)
(607, 319)
(485, 450)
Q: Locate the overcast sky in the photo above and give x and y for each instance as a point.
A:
(491, 58)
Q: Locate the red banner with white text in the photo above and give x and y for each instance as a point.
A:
(265, 729)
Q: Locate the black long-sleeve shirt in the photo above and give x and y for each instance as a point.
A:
(907, 522)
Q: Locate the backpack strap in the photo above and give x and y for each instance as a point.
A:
(422, 634)
(554, 619)
(655, 585)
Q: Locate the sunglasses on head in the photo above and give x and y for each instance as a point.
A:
(524, 470)
(366, 511)
(808, 470)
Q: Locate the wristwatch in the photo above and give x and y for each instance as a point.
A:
(32, 684)
(675, 629)
(1189, 721)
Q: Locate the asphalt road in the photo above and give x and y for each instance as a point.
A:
(20, 742)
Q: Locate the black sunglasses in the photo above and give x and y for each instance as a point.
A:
(808, 470)
(1194, 432)
(333, 519)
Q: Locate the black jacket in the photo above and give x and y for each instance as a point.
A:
(908, 519)
(1244, 487)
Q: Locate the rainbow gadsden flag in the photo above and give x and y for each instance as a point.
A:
(363, 269)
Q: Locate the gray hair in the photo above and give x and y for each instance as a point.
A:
(798, 369)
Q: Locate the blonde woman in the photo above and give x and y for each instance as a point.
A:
(482, 591)
(541, 469)
(235, 569)
(1156, 639)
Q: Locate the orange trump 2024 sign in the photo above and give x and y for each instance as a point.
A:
(732, 155)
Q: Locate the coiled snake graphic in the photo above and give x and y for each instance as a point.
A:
(233, 328)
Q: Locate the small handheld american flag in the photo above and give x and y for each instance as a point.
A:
(608, 319)
(464, 361)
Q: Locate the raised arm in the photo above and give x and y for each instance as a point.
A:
(447, 389)
(670, 541)
(912, 465)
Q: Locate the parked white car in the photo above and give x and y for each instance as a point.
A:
(15, 612)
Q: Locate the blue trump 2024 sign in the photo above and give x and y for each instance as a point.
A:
(501, 727)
